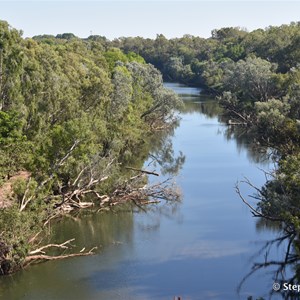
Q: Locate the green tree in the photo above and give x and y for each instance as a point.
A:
(11, 57)
(13, 144)
(251, 79)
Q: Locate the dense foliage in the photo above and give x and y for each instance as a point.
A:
(204, 62)
(71, 111)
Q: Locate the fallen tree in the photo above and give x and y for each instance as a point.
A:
(85, 190)
(81, 193)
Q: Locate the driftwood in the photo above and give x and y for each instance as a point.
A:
(133, 191)
(39, 255)
(84, 192)
(73, 194)
(35, 258)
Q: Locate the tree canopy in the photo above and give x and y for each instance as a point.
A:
(73, 112)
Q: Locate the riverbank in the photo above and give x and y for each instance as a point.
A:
(174, 248)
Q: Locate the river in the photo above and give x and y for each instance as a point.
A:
(200, 248)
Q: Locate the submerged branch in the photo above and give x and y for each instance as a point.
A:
(42, 257)
(39, 254)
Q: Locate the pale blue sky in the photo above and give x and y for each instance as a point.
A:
(144, 18)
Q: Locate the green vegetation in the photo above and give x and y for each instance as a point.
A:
(73, 115)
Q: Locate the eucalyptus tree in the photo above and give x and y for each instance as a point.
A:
(251, 79)
(11, 57)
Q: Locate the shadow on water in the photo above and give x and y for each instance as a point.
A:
(161, 154)
(279, 256)
(241, 135)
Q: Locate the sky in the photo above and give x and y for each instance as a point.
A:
(115, 19)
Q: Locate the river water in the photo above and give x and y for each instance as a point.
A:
(200, 248)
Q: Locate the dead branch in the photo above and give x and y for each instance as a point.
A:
(143, 171)
(231, 108)
(84, 184)
(24, 202)
(133, 191)
(254, 211)
(52, 216)
(61, 246)
(61, 162)
(32, 239)
(78, 176)
(247, 181)
(42, 257)
(150, 202)
(39, 254)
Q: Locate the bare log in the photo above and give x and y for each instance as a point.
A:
(42, 257)
(132, 190)
(40, 253)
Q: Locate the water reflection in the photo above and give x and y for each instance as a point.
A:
(196, 103)
(202, 105)
(65, 279)
(246, 139)
(281, 269)
(280, 258)
(161, 154)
